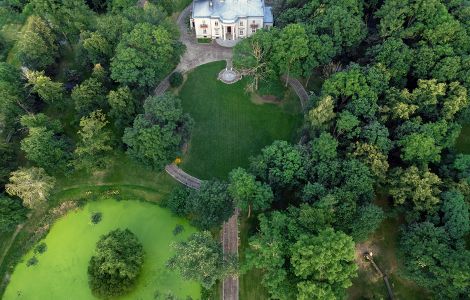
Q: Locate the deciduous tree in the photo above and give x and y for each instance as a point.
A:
(201, 258)
(32, 185)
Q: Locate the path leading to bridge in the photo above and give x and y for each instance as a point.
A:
(183, 177)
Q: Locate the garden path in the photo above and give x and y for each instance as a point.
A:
(195, 55)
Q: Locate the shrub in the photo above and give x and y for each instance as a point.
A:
(41, 248)
(32, 261)
(176, 79)
(96, 217)
(178, 229)
(116, 264)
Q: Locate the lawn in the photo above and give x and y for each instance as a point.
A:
(229, 126)
(61, 272)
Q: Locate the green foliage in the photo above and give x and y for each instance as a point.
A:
(12, 213)
(432, 263)
(116, 263)
(96, 217)
(145, 56)
(67, 17)
(32, 185)
(368, 219)
(37, 47)
(290, 48)
(247, 192)
(40, 248)
(46, 149)
(456, 214)
(159, 132)
(178, 229)
(178, 201)
(49, 91)
(176, 79)
(421, 187)
(325, 261)
(7, 161)
(280, 165)
(89, 96)
(32, 261)
(123, 106)
(210, 206)
(201, 258)
(94, 144)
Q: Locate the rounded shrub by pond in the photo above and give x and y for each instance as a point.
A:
(117, 263)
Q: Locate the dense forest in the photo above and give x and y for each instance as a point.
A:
(76, 86)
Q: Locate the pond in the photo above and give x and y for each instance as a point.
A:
(61, 271)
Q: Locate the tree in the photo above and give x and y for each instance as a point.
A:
(67, 17)
(46, 149)
(430, 261)
(368, 219)
(94, 144)
(123, 106)
(178, 201)
(325, 258)
(97, 46)
(32, 185)
(11, 213)
(396, 56)
(116, 263)
(456, 214)
(159, 132)
(201, 258)
(49, 91)
(321, 115)
(280, 165)
(89, 96)
(37, 47)
(175, 79)
(290, 48)
(418, 186)
(7, 161)
(252, 56)
(247, 192)
(211, 205)
(145, 56)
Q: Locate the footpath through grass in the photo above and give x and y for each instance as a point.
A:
(229, 126)
(61, 272)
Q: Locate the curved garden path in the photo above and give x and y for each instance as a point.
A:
(196, 55)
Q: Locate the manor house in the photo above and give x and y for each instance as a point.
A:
(229, 19)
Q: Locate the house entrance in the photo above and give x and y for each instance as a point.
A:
(229, 33)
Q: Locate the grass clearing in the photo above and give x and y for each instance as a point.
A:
(229, 127)
(61, 272)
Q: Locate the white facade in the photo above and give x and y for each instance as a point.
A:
(229, 19)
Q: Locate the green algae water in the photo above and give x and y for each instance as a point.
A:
(61, 271)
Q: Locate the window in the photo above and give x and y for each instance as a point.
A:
(253, 30)
(217, 31)
(204, 31)
(241, 23)
(241, 31)
(216, 23)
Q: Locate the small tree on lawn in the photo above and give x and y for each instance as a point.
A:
(117, 263)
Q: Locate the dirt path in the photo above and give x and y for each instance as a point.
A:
(10, 242)
(5, 252)
(230, 242)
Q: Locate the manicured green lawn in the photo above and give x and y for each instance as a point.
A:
(61, 272)
(229, 126)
